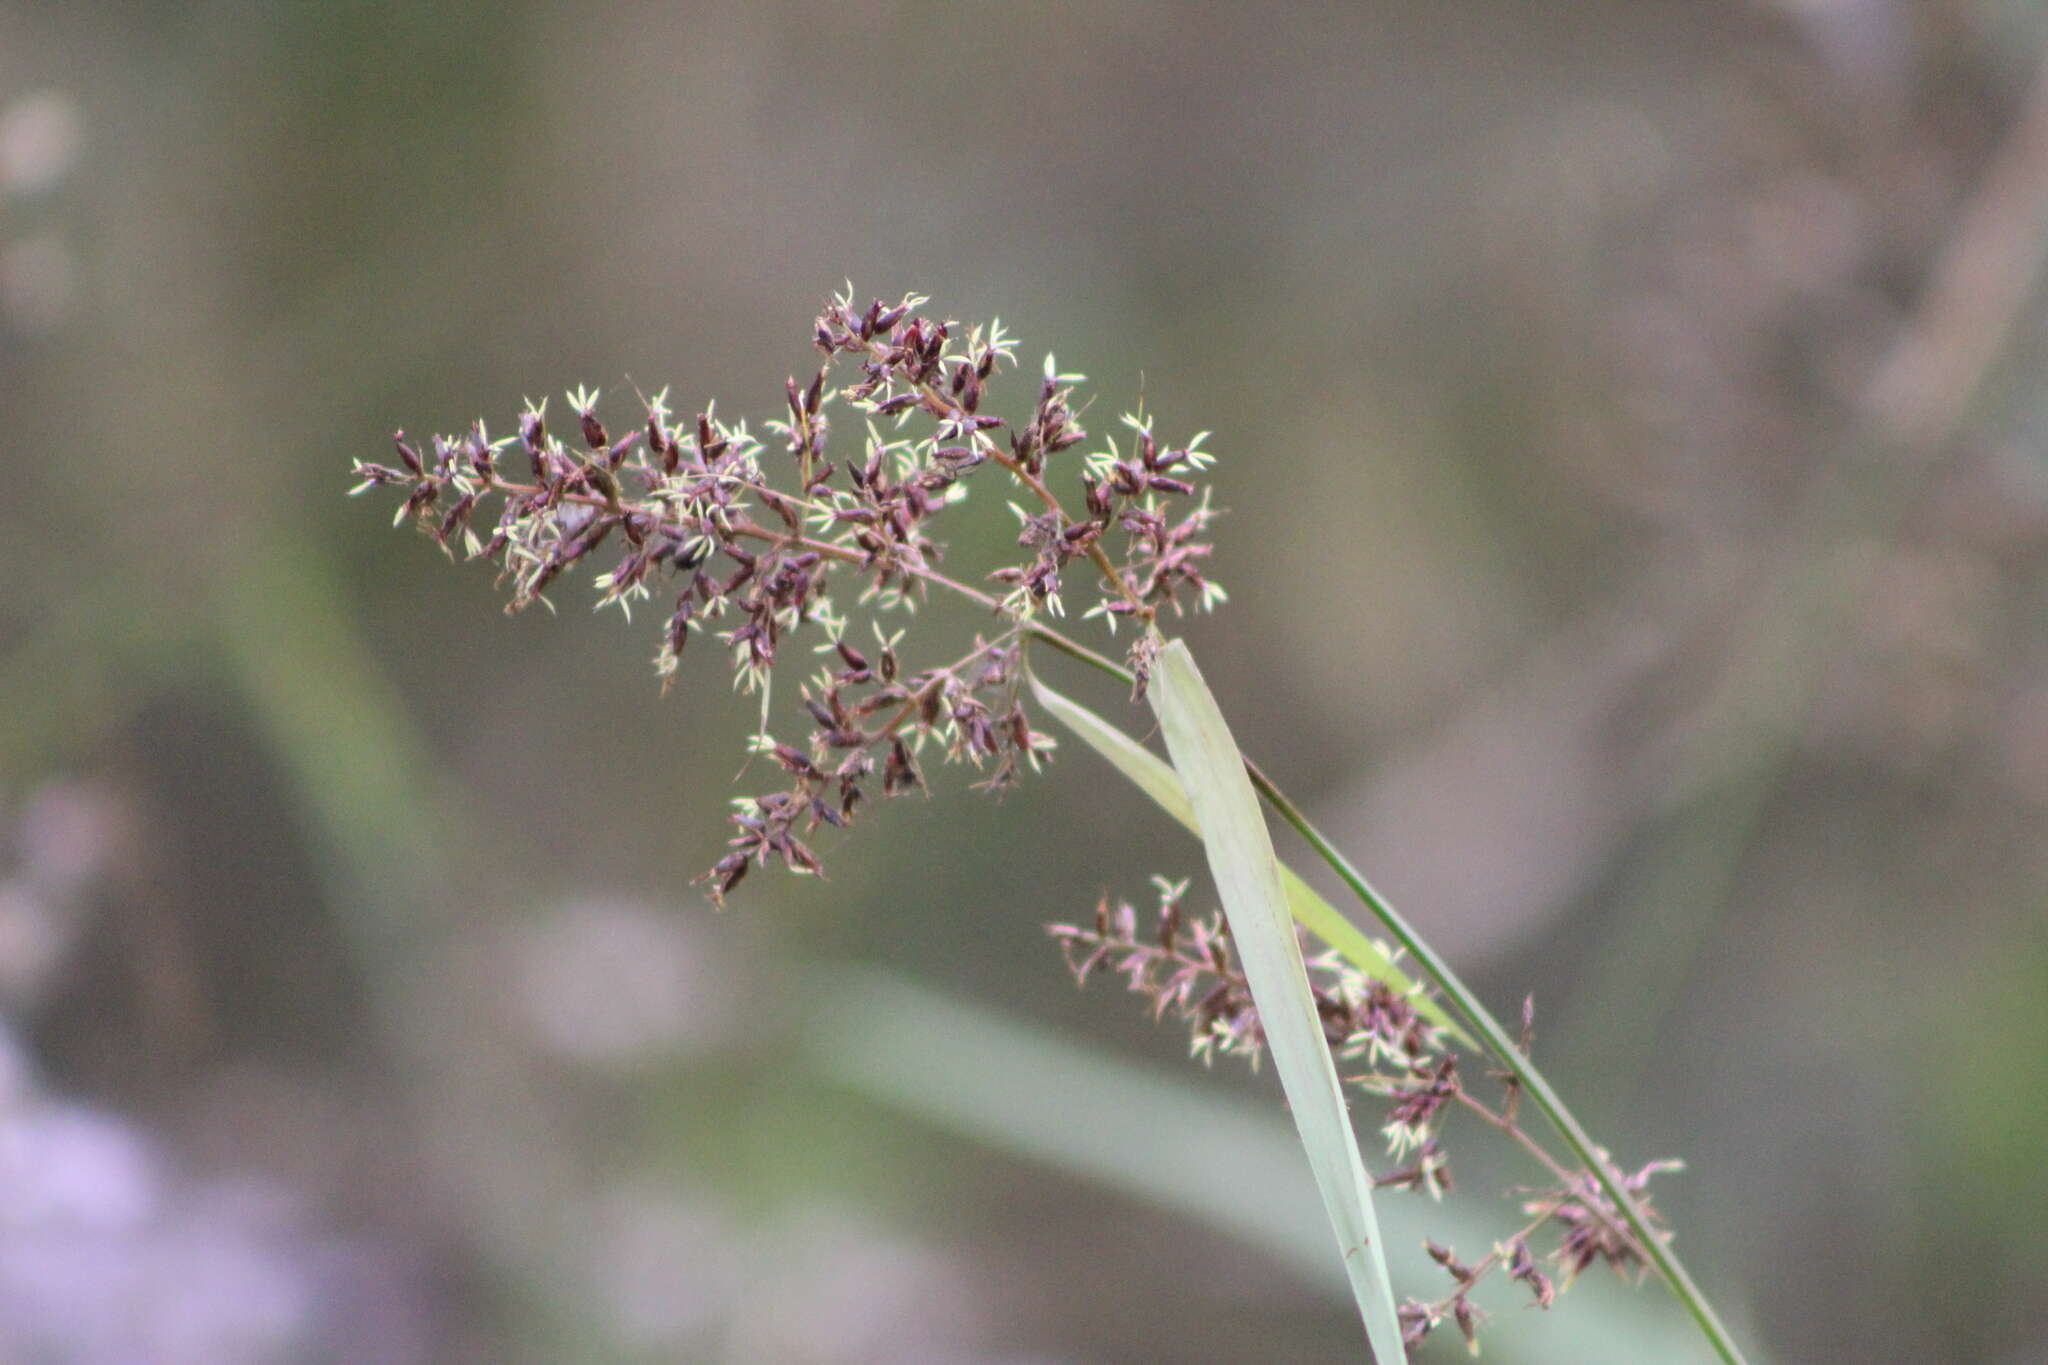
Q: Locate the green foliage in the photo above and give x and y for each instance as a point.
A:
(1247, 873)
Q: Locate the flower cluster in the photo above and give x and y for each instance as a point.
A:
(905, 369)
(756, 538)
(1185, 967)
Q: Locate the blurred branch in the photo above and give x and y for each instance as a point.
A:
(1742, 741)
(1986, 271)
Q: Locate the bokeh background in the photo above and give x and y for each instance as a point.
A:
(1637, 470)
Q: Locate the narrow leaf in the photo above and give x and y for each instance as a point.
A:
(1157, 779)
(1247, 875)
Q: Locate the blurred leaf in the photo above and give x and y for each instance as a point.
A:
(1247, 877)
(343, 735)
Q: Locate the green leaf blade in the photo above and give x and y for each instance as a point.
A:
(1226, 812)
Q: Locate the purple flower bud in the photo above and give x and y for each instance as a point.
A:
(407, 453)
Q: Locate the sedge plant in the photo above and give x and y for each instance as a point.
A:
(812, 542)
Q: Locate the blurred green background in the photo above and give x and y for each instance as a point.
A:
(1638, 541)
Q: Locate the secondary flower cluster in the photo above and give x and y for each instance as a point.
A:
(1185, 967)
(751, 538)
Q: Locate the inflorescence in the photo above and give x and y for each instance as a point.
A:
(751, 538)
(760, 541)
